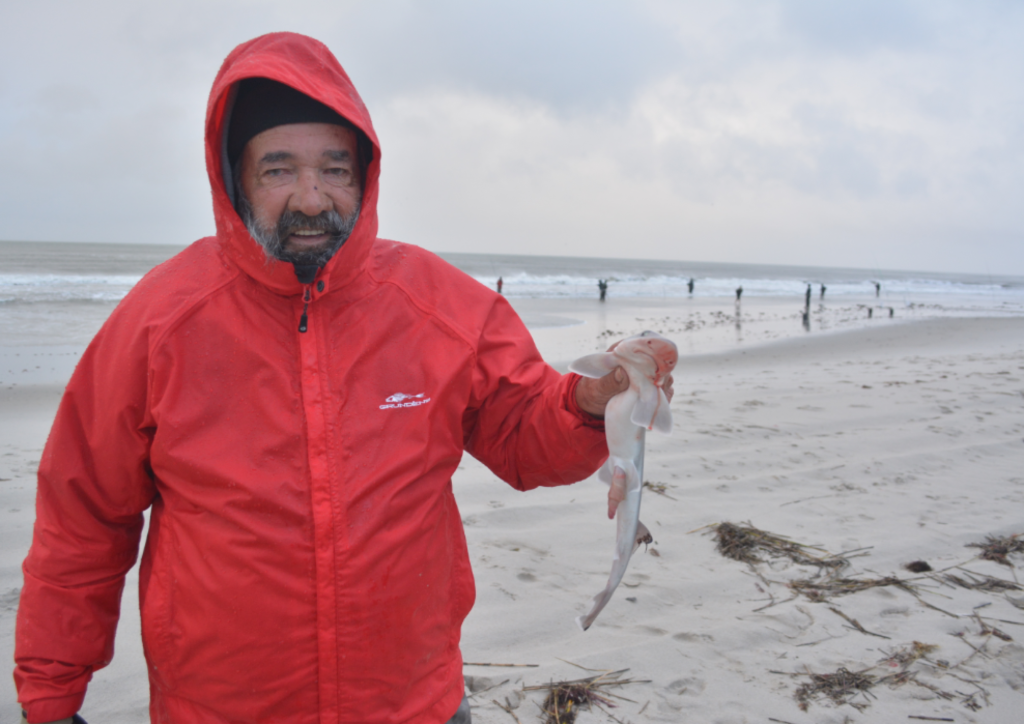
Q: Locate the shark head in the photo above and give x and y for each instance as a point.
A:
(649, 351)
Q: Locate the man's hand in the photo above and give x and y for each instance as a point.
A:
(592, 394)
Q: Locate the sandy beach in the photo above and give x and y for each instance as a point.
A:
(888, 443)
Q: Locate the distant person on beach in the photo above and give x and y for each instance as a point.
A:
(290, 398)
(822, 291)
(807, 297)
(689, 285)
(501, 283)
(602, 288)
(878, 289)
(739, 293)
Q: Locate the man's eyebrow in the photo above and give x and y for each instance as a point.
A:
(339, 156)
(276, 157)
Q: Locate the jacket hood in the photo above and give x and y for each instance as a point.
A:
(307, 66)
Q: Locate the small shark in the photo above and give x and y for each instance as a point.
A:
(648, 358)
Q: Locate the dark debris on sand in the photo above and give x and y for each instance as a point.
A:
(841, 687)
(997, 548)
(752, 546)
(745, 543)
(978, 582)
(822, 590)
(566, 699)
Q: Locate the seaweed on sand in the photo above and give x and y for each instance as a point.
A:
(659, 488)
(978, 582)
(844, 685)
(905, 656)
(841, 687)
(822, 590)
(567, 698)
(745, 543)
(996, 548)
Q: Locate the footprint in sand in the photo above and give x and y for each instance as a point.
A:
(693, 637)
(690, 685)
(652, 630)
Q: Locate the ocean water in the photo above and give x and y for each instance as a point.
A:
(55, 296)
(39, 273)
(568, 277)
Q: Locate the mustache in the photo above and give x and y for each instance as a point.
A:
(328, 222)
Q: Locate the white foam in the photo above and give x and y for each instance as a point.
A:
(29, 288)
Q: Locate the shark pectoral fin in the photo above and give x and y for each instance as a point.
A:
(663, 418)
(594, 365)
(646, 407)
(642, 536)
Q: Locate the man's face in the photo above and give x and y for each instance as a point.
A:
(301, 190)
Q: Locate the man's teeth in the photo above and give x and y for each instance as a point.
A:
(307, 232)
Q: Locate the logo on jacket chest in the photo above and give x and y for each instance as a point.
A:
(401, 399)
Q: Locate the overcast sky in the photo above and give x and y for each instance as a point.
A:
(864, 133)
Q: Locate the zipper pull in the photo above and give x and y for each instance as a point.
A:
(303, 319)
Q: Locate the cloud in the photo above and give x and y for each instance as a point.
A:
(791, 131)
(858, 27)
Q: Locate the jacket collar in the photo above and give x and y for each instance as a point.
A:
(308, 66)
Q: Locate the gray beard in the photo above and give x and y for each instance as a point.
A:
(273, 239)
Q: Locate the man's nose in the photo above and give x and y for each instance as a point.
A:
(309, 197)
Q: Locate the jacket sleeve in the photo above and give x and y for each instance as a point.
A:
(523, 421)
(93, 485)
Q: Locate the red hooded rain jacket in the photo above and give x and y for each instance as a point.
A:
(305, 559)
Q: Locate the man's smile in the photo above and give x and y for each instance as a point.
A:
(307, 237)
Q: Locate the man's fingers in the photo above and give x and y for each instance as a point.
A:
(613, 383)
(593, 394)
(667, 388)
(617, 491)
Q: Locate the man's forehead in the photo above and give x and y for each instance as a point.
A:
(278, 156)
(288, 141)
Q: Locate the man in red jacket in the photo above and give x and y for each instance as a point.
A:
(291, 398)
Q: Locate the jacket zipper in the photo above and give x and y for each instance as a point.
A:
(304, 318)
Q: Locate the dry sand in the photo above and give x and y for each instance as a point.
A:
(903, 442)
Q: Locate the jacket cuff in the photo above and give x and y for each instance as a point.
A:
(55, 709)
(570, 405)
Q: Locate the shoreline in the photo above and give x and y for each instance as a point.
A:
(566, 329)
